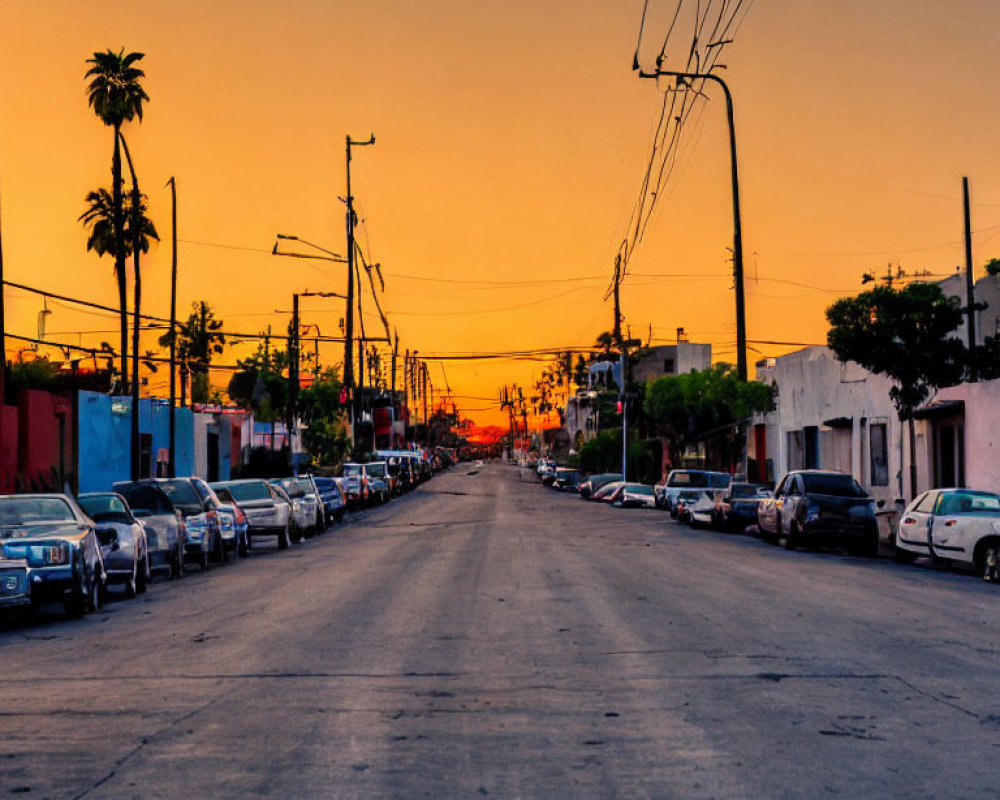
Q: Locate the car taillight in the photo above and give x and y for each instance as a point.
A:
(908, 521)
(949, 523)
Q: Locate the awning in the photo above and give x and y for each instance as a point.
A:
(839, 422)
(946, 408)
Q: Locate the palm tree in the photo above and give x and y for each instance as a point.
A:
(116, 96)
(99, 219)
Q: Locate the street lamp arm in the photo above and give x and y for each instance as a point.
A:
(741, 343)
(334, 256)
(337, 259)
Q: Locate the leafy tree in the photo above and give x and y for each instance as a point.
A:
(686, 407)
(261, 384)
(198, 339)
(116, 95)
(603, 453)
(993, 266)
(906, 335)
(324, 425)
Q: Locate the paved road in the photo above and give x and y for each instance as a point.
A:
(485, 637)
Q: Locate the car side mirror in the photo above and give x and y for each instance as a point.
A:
(107, 537)
(880, 504)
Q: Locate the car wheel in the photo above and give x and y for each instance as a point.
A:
(219, 552)
(203, 561)
(295, 533)
(339, 516)
(145, 576)
(132, 587)
(177, 565)
(790, 540)
(76, 603)
(242, 549)
(96, 598)
(283, 538)
(989, 561)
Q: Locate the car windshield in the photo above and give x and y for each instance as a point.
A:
(242, 492)
(377, 469)
(698, 479)
(352, 470)
(969, 502)
(833, 484)
(26, 510)
(744, 490)
(640, 488)
(305, 485)
(143, 498)
(182, 495)
(104, 508)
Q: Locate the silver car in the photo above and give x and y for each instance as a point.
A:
(123, 540)
(267, 508)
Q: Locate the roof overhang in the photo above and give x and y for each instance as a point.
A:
(945, 408)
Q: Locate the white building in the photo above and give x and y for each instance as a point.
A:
(830, 415)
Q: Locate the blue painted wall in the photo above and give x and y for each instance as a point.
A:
(104, 431)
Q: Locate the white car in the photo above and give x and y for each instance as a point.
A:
(634, 495)
(960, 525)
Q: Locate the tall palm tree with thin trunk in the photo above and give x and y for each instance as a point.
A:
(116, 95)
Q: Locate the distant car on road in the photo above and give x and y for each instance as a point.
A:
(267, 508)
(679, 480)
(334, 504)
(955, 525)
(633, 495)
(594, 482)
(567, 479)
(605, 493)
(820, 507)
(165, 527)
(736, 509)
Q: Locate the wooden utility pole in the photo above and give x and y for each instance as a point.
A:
(172, 458)
(970, 291)
(3, 336)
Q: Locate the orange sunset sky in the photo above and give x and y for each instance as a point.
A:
(511, 141)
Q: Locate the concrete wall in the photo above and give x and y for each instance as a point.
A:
(841, 402)
(981, 435)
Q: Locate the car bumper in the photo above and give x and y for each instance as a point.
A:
(49, 584)
(15, 589)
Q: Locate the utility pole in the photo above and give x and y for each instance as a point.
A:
(293, 369)
(616, 331)
(172, 458)
(349, 321)
(423, 366)
(683, 79)
(624, 396)
(3, 329)
(970, 292)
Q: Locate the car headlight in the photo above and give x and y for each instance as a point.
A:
(39, 555)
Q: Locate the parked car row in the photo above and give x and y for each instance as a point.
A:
(810, 508)
(55, 548)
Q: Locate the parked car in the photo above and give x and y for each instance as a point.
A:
(736, 509)
(594, 482)
(60, 546)
(679, 480)
(381, 484)
(126, 554)
(633, 495)
(166, 531)
(567, 479)
(700, 510)
(234, 522)
(820, 507)
(355, 485)
(334, 504)
(268, 508)
(15, 591)
(954, 525)
(685, 500)
(546, 469)
(307, 513)
(401, 470)
(606, 491)
(199, 505)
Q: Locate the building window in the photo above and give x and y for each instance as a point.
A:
(879, 449)
(811, 437)
(668, 366)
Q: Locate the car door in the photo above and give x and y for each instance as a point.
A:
(958, 525)
(767, 515)
(915, 526)
(789, 507)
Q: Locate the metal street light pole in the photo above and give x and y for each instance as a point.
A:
(741, 329)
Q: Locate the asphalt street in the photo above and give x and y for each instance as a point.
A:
(484, 637)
